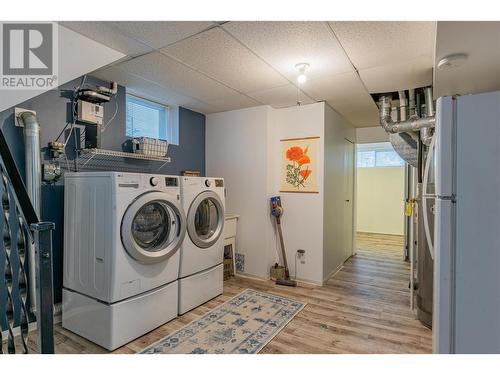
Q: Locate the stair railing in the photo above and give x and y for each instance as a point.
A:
(21, 228)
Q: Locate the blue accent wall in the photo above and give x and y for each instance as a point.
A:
(53, 110)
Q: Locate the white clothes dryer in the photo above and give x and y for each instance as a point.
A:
(202, 251)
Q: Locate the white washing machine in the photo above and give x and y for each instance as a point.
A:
(122, 235)
(201, 269)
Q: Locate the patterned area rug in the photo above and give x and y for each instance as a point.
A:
(242, 325)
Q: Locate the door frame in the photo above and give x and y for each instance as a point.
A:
(354, 200)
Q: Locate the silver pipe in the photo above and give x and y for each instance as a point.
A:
(402, 105)
(391, 126)
(411, 103)
(33, 168)
(426, 133)
(429, 102)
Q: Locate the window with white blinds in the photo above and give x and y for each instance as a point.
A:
(146, 119)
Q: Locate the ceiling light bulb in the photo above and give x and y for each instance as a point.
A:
(301, 67)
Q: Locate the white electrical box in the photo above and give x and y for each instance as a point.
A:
(91, 113)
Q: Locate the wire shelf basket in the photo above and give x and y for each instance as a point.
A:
(95, 159)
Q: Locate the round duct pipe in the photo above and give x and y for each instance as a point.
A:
(406, 146)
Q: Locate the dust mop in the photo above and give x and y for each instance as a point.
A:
(277, 212)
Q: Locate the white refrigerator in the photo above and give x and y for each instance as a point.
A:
(467, 225)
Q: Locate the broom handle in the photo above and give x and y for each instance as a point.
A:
(282, 243)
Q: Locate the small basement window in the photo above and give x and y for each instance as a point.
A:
(146, 118)
(377, 155)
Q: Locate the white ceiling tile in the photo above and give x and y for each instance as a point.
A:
(142, 87)
(284, 44)
(481, 71)
(173, 75)
(370, 44)
(220, 56)
(159, 34)
(280, 97)
(105, 33)
(232, 102)
(347, 95)
(399, 76)
(200, 107)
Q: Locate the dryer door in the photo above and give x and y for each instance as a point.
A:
(153, 228)
(205, 220)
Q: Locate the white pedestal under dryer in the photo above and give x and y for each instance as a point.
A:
(122, 234)
(201, 269)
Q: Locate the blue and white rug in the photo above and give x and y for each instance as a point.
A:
(242, 325)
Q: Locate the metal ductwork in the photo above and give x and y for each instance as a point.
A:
(33, 165)
(404, 132)
(33, 170)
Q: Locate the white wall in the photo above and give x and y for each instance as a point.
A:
(237, 150)
(337, 130)
(372, 134)
(302, 221)
(380, 196)
(243, 146)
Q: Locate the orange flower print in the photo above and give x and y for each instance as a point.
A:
(305, 173)
(294, 153)
(303, 160)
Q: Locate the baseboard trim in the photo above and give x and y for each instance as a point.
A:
(251, 276)
(260, 278)
(332, 274)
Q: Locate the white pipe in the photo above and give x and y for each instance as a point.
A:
(425, 197)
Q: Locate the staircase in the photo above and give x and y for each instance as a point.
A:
(23, 230)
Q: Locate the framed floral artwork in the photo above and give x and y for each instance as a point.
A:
(299, 165)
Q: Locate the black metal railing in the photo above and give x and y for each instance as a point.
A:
(22, 229)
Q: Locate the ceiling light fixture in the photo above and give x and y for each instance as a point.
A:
(302, 67)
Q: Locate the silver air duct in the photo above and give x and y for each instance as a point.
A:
(404, 134)
(33, 168)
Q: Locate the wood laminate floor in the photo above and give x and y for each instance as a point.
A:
(364, 308)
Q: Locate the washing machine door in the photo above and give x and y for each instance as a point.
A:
(205, 220)
(153, 228)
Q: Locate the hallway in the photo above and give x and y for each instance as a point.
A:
(364, 308)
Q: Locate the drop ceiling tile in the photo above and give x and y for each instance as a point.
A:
(166, 72)
(105, 33)
(361, 117)
(347, 95)
(142, 87)
(481, 71)
(400, 76)
(371, 44)
(159, 34)
(200, 107)
(220, 56)
(233, 102)
(284, 44)
(280, 97)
